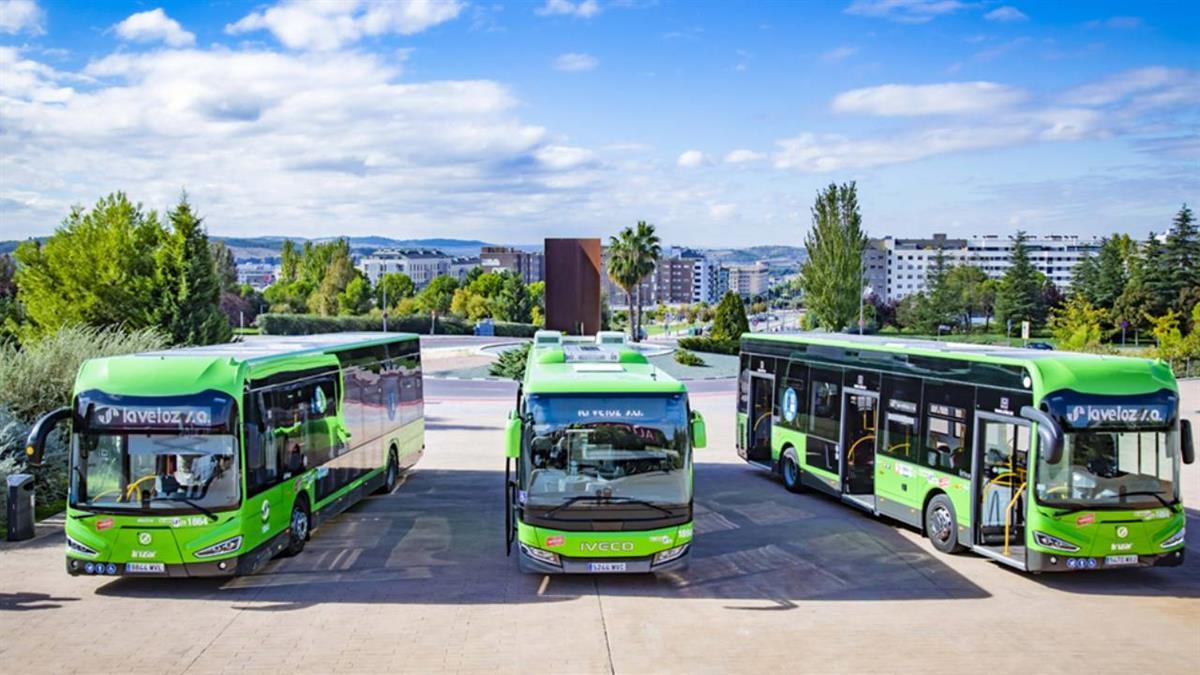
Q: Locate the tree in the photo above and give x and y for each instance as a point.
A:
(436, 297)
(831, 278)
(513, 302)
(395, 286)
(730, 321)
(189, 310)
(1078, 326)
(623, 270)
(225, 265)
(356, 298)
(1085, 278)
(1154, 277)
(972, 292)
(339, 273)
(1112, 270)
(97, 269)
(1181, 262)
(537, 315)
(1019, 297)
(289, 262)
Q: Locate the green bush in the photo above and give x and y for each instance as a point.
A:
(709, 345)
(511, 363)
(685, 358)
(310, 324)
(516, 330)
(38, 376)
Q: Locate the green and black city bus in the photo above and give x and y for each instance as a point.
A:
(602, 444)
(1046, 461)
(211, 460)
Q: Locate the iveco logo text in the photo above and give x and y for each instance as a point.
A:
(607, 546)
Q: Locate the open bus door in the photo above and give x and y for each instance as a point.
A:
(514, 433)
(758, 429)
(860, 421)
(999, 486)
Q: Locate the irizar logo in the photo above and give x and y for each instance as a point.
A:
(1122, 545)
(1122, 531)
(144, 538)
(607, 546)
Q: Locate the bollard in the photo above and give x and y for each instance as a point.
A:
(20, 507)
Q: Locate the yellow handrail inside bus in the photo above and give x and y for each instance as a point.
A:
(1008, 514)
(131, 489)
(850, 454)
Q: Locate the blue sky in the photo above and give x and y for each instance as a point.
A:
(511, 121)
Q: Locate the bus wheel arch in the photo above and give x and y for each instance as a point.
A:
(939, 522)
(299, 525)
(789, 469)
(391, 475)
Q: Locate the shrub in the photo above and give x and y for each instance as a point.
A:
(516, 330)
(309, 324)
(38, 377)
(710, 345)
(511, 363)
(686, 358)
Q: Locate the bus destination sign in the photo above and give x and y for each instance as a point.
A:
(1085, 416)
(144, 417)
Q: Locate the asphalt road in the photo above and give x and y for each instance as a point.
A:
(418, 581)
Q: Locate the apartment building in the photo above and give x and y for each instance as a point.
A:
(749, 281)
(530, 265)
(422, 265)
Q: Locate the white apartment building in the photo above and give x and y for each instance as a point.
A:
(909, 261)
(749, 280)
(422, 265)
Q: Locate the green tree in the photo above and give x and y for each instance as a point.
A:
(189, 309)
(356, 298)
(289, 262)
(437, 296)
(1112, 270)
(395, 286)
(729, 321)
(831, 278)
(97, 269)
(513, 302)
(972, 293)
(1181, 262)
(1085, 278)
(339, 272)
(225, 265)
(1078, 326)
(1019, 297)
(623, 270)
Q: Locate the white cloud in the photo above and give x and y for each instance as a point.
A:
(829, 152)
(904, 11)
(839, 53)
(561, 157)
(1155, 86)
(326, 25)
(742, 156)
(1005, 13)
(691, 159)
(154, 26)
(18, 16)
(584, 9)
(928, 99)
(574, 63)
(722, 211)
(1116, 22)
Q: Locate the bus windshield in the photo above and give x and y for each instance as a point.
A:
(592, 450)
(157, 471)
(1111, 469)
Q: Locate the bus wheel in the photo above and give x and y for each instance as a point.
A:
(790, 469)
(392, 474)
(941, 525)
(298, 528)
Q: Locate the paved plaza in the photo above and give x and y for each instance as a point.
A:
(417, 581)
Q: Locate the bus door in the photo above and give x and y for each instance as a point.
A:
(999, 485)
(860, 419)
(762, 407)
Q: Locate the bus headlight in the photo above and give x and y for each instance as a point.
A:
(539, 554)
(669, 554)
(1175, 539)
(80, 548)
(1055, 543)
(227, 546)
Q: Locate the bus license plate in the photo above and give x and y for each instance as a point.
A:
(1120, 560)
(145, 568)
(606, 567)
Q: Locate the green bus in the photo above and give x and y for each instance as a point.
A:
(598, 468)
(1045, 461)
(210, 461)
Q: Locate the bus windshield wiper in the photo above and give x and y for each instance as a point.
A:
(1157, 496)
(189, 502)
(603, 499)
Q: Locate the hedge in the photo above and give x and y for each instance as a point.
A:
(710, 345)
(309, 324)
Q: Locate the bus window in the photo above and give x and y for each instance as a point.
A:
(825, 409)
(901, 404)
(946, 445)
(793, 414)
(744, 385)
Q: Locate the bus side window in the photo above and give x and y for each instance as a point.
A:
(261, 465)
(825, 411)
(947, 428)
(793, 376)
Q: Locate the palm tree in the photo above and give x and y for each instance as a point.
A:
(647, 251)
(623, 270)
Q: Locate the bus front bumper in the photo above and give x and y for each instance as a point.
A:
(216, 568)
(1038, 561)
(568, 565)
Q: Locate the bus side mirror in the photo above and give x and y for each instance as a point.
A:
(699, 431)
(1187, 448)
(35, 446)
(1050, 435)
(512, 436)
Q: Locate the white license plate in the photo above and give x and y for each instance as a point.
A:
(145, 568)
(1120, 560)
(606, 567)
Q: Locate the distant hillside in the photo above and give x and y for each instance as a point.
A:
(779, 254)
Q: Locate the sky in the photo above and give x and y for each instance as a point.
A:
(511, 121)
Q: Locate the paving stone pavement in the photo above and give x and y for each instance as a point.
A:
(417, 581)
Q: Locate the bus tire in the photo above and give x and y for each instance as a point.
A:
(789, 469)
(391, 475)
(941, 524)
(299, 527)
